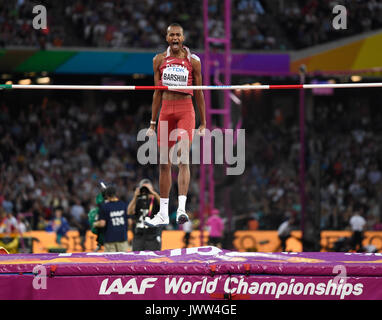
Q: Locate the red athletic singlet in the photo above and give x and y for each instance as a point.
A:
(177, 117)
(177, 71)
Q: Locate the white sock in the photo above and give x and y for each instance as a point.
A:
(163, 209)
(182, 202)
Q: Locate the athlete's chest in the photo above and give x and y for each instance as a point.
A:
(169, 62)
(176, 71)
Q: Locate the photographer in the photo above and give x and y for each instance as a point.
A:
(145, 203)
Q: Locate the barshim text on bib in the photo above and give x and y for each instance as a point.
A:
(175, 75)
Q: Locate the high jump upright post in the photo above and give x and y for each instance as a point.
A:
(302, 150)
(225, 111)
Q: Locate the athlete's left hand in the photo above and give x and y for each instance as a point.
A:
(202, 129)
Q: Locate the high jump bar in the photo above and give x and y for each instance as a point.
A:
(221, 87)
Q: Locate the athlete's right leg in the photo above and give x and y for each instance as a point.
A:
(165, 180)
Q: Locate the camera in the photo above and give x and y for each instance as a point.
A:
(144, 190)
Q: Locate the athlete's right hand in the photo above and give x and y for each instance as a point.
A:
(151, 131)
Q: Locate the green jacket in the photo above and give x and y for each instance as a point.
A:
(93, 217)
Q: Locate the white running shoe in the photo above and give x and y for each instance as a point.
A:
(157, 221)
(181, 216)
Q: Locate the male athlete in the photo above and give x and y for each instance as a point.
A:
(175, 66)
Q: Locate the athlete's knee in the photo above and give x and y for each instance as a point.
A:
(165, 167)
(183, 166)
(182, 152)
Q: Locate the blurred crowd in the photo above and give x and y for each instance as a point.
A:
(343, 168)
(16, 25)
(308, 23)
(54, 153)
(133, 24)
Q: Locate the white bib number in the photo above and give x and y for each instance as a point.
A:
(119, 221)
(117, 218)
(175, 76)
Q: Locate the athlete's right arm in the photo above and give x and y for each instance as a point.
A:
(157, 97)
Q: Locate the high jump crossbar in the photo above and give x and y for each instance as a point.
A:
(221, 87)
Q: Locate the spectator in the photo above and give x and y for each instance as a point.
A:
(357, 223)
(76, 211)
(378, 225)
(284, 232)
(22, 224)
(58, 224)
(3, 221)
(215, 227)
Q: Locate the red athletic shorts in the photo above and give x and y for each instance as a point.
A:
(176, 122)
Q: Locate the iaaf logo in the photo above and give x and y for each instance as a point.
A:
(130, 286)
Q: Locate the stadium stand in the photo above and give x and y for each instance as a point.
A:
(133, 24)
(51, 147)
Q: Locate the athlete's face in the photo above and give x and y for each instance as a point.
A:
(175, 38)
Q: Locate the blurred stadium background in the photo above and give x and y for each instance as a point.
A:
(56, 145)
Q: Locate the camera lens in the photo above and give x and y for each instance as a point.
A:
(144, 190)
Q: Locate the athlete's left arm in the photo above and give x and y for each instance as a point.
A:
(199, 96)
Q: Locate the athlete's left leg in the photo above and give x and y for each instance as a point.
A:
(186, 125)
(183, 184)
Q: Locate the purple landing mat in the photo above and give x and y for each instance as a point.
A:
(191, 274)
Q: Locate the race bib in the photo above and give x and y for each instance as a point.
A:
(175, 76)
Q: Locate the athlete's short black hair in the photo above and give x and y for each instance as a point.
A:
(175, 24)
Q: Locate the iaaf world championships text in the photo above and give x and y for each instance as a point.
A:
(235, 285)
